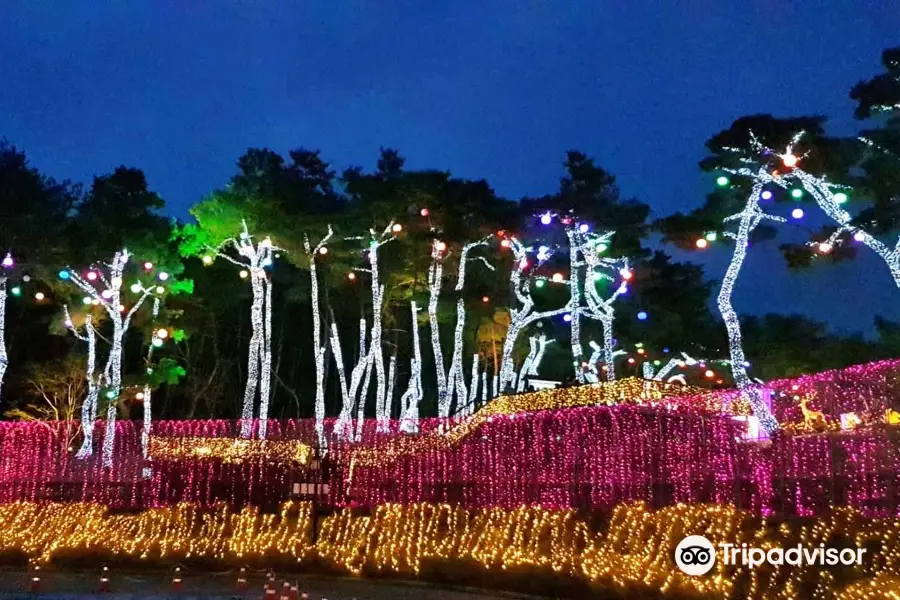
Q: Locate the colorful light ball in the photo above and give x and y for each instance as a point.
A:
(722, 181)
(91, 276)
(766, 195)
(859, 236)
(840, 197)
(546, 219)
(601, 248)
(557, 277)
(160, 289)
(351, 276)
(584, 228)
(207, 259)
(424, 212)
(157, 343)
(397, 228)
(148, 265)
(63, 275)
(162, 334)
(711, 236)
(642, 315)
(136, 288)
(702, 243)
(485, 299)
(139, 396)
(39, 296)
(106, 294)
(567, 318)
(540, 283)
(631, 360)
(441, 246)
(796, 193)
(8, 261)
(323, 250)
(244, 274)
(789, 160)
(626, 274)
(16, 291)
(797, 213)
(163, 276)
(709, 373)
(824, 248)
(506, 243)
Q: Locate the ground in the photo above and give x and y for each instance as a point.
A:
(14, 584)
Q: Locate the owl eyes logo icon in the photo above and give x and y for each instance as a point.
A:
(695, 555)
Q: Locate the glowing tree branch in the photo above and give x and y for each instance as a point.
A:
(829, 198)
(591, 247)
(4, 358)
(148, 392)
(318, 347)
(254, 258)
(456, 382)
(409, 401)
(523, 315)
(89, 407)
(108, 294)
(747, 220)
(343, 427)
(435, 275)
(538, 345)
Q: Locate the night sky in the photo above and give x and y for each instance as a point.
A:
(182, 88)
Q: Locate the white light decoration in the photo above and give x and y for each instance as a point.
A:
(106, 291)
(343, 427)
(382, 402)
(319, 348)
(4, 358)
(456, 382)
(253, 258)
(435, 276)
(89, 407)
(747, 220)
(147, 394)
(409, 401)
(521, 316)
(537, 346)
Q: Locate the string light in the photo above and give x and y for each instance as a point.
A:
(319, 348)
(409, 401)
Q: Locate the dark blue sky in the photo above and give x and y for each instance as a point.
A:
(485, 89)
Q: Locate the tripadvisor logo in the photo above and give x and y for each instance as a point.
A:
(695, 555)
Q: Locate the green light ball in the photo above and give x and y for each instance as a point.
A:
(840, 197)
(722, 181)
(796, 193)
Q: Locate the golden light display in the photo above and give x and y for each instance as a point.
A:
(634, 552)
(229, 449)
(631, 390)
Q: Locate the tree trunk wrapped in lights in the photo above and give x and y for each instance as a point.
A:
(538, 344)
(319, 348)
(456, 382)
(590, 246)
(747, 220)
(89, 406)
(4, 358)
(409, 401)
(108, 294)
(343, 427)
(435, 275)
(148, 396)
(256, 257)
(524, 314)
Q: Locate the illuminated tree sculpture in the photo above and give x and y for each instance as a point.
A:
(409, 401)
(589, 269)
(103, 286)
(455, 378)
(89, 406)
(538, 344)
(524, 314)
(371, 354)
(254, 258)
(747, 220)
(318, 347)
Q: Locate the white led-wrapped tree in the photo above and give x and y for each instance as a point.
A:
(589, 269)
(254, 258)
(532, 362)
(103, 285)
(409, 401)
(89, 406)
(319, 347)
(524, 314)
